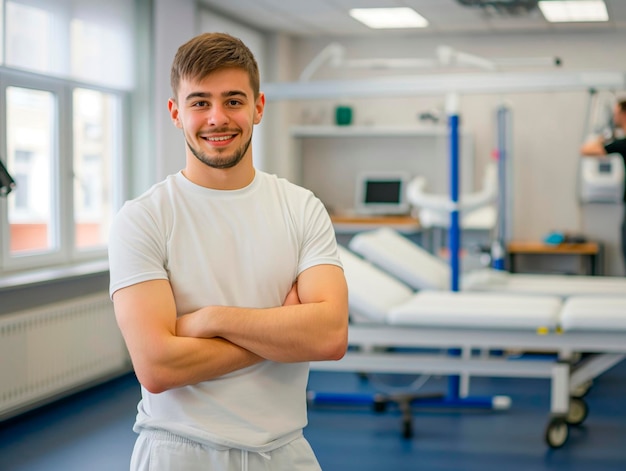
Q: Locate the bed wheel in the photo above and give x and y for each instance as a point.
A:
(582, 389)
(407, 429)
(578, 411)
(557, 432)
(380, 404)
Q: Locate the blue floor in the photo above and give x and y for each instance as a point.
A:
(91, 431)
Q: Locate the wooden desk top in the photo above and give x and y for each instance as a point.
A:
(382, 220)
(534, 247)
(353, 223)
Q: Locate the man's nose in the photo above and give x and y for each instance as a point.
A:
(218, 116)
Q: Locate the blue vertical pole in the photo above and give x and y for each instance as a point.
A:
(454, 238)
(454, 232)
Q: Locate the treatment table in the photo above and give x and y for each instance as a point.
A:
(387, 315)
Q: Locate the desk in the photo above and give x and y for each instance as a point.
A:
(591, 250)
(348, 224)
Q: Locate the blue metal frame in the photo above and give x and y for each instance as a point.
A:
(454, 232)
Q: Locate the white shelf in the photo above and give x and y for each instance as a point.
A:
(367, 131)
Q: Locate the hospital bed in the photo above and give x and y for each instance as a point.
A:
(385, 313)
(421, 270)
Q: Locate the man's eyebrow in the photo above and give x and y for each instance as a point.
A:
(226, 94)
(193, 95)
(234, 93)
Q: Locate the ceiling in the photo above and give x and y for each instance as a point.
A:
(330, 17)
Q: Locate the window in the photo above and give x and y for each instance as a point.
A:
(30, 150)
(23, 160)
(86, 40)
(65, 78)
(95, 139)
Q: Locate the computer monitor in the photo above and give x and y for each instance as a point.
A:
(382, 193)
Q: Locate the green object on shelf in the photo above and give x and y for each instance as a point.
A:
(343, 115)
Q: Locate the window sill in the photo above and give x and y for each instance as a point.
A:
(44, 276)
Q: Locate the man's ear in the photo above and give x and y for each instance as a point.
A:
(259, 106)
(173, 108)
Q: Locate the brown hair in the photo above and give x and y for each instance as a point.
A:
(210, 52)
(621, 103)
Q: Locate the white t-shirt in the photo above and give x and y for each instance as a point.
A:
(239, 248)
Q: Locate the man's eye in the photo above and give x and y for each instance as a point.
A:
(200, 104)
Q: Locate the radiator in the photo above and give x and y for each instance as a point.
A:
(57, 348)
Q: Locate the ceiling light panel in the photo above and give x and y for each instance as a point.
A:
(389, 18)
(574, 11)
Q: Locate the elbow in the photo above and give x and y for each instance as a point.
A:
(151, 383)
(155, 380)
(338, 343)
(336, 346)
(155, 387)
(338, 353)
(340, 347)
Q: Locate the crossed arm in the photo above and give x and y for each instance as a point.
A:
(167, 352)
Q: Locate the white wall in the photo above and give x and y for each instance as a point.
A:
(174, 24)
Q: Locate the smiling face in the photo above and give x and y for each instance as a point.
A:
(217, 114)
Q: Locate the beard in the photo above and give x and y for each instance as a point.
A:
(222, 161)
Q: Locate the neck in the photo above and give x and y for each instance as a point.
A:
(234, 178)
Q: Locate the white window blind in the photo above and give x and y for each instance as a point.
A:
(85, 40)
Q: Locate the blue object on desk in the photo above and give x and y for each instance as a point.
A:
(554, 238)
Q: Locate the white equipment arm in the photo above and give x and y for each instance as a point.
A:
(467, 203)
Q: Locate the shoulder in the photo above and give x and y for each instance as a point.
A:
(284, 186)
(151, 203)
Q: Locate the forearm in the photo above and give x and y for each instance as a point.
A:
(183, 361)
(593, 147)
(162, 358)
(311, 325)
(303, 332)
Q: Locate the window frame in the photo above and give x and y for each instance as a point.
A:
(63, 156)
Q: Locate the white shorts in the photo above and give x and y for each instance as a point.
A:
(164, 451)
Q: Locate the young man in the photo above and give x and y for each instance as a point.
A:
(226, 282)
(597, 147)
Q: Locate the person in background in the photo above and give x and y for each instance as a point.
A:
(226, 282)
(599, 146)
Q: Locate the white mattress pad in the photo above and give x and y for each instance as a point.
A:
(371, 292)
(404, 259)
(558, 285)
(594, 313)
(477, 310)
